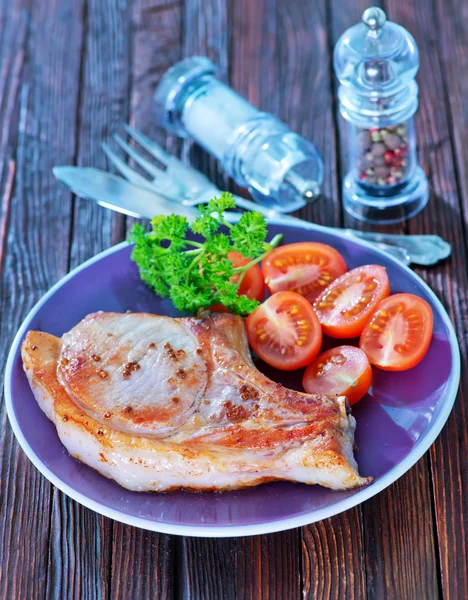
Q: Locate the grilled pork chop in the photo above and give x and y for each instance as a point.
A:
(157, 404)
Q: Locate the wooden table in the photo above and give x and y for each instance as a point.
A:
(71, 71)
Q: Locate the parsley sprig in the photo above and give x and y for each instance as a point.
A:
(197, 274)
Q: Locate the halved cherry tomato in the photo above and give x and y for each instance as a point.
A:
(252, 284)
(284, 331)
(344, 371)
(399, 333)
(306, 268)
(346, 305)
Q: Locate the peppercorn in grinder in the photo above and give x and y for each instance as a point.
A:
(376, 63)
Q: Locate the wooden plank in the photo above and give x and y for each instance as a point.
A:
(206, 33)
(333, 558)
(451, 37)
(80, 564)
(286, 72)
(253, 64)
(37, 243)
(269, 566)
(79, 551)
(143, 562)
(7, 184)
(206, 567)
(441, 126)
(104, 106)
(399, 544)
(254, 73)
(156, 46)
(387, 540)
(14, 22)
(449, 459)
(306, 92)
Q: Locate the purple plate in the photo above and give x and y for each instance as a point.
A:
(396, 422)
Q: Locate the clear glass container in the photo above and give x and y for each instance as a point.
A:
(281, 169)
(376, 63)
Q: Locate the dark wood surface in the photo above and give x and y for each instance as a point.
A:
(71, 71)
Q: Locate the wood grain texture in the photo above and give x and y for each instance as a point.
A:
(269, 566)
(141, 564)
(305, 93)
(80, 563)
(398, 539)
(386, 524)
(14, 27)
(104, 106)
(253, 65)
(70, 73)
(449, 464)
(205, 568)
(438, 124)
(333, 558)
(156, 46)
(6, 208)
(206, 32)
(451, 39)
(41, 131)
(306, 61)
(254, 72)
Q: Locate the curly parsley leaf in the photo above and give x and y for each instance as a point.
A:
(172, 229)
(221, 203)
(248, 235)
(205, 223)
(197, 274)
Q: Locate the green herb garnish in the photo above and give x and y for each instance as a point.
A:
(197, 274)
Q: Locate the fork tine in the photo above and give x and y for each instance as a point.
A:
(149, 145)
(143, 162)
(124, 169)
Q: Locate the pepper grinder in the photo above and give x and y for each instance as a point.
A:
(376, 63)
(281, 169)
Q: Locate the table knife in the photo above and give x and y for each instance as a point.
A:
(117, 194)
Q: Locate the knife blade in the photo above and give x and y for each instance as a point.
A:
(118, 194)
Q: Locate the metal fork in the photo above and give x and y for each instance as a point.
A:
(183, 184)
(177, 181)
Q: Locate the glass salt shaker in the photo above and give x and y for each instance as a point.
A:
(376, 63)
(281, 169)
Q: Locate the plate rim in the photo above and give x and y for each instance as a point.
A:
(239, 530)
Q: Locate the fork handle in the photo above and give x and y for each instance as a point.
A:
(424, 249)
(420, 249)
